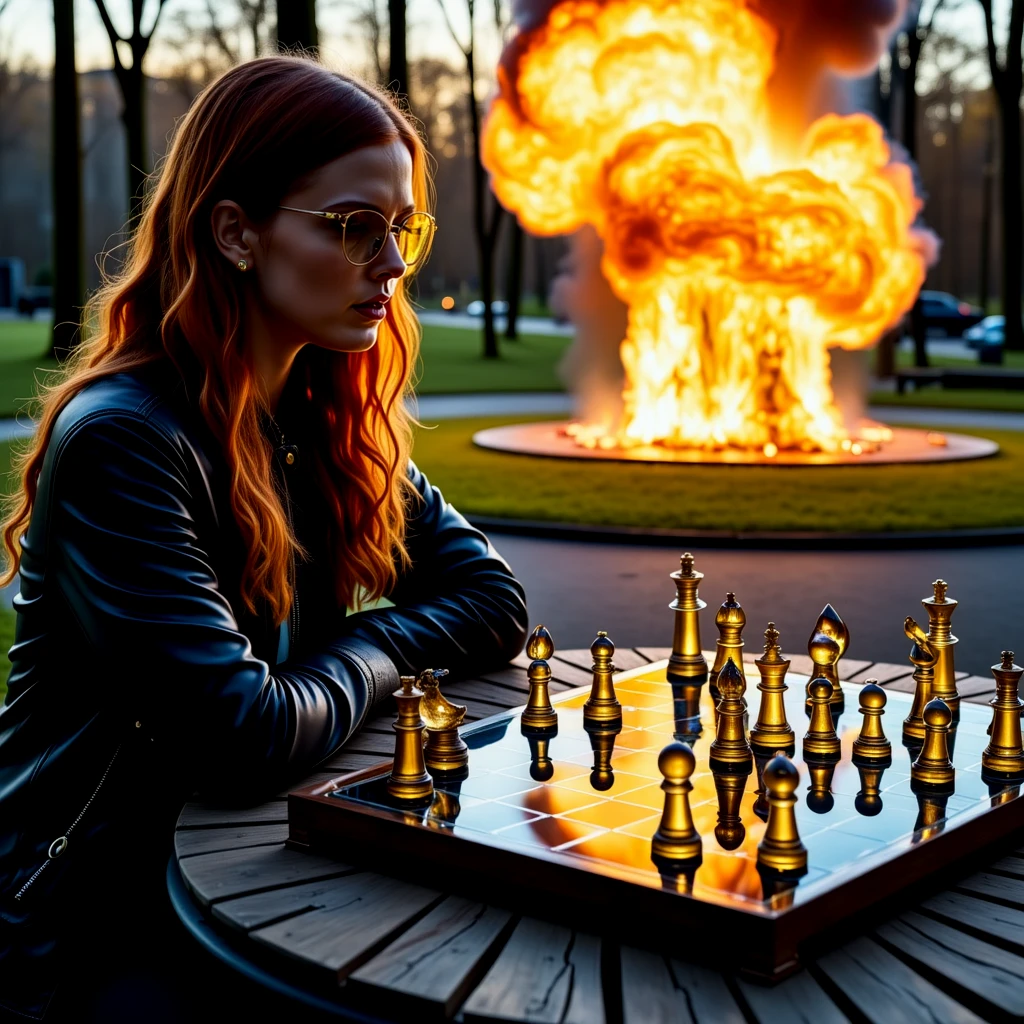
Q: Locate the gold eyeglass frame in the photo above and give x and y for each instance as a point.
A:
(392, 227)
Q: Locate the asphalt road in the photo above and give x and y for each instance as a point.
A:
(577, 588)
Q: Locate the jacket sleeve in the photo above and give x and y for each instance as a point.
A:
(459, 606)
(125, 550)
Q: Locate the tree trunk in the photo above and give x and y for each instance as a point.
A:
(919, 332)
(986, 212)
(66, 157)
(514, 281)
(133, 115)
(909, 97)
(296, 24)
(1013, 216)
(398, 67)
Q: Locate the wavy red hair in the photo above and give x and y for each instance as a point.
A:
(254, 135)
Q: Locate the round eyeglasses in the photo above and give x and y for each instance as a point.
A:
(364, 232)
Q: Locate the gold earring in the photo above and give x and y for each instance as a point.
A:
(242, 265)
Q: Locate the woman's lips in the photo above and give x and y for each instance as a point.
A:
(372, 310)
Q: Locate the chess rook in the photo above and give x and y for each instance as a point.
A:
(676, 839)
(780, 849)
(539, 714)
(829, 624)
(923, 657)
(940, 610)
(772, 731)
(933, 766)
(730, 750)
(409, 779)
(820, 740)
(871, 744)
(730, 621)
(602, 706)
(687, 663)
(446, 752)
(1005, 754)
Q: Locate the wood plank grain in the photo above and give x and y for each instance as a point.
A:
(706, 992)
(545, 973)
(350, 924)
(651, 995)
(882, 672)
(654, 653)
(190, 841)
(981, 698)
(1010, 890)
(990, 974)
(640, 653)
(885, 990)
(1000, 922)
(797, 1000)
(625, 659)
(1013, 866)
(973, 685)
(346, 760)
(438, 960)
(217, 876)
(202, 815)
(905, 684)
(372, 742)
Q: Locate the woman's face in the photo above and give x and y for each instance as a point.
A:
(305, 287)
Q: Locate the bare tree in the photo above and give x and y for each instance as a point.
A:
(133, 95)
(1008, 81)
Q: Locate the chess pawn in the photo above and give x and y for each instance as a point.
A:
(923, 657)
(780, 849)
(602, 743)
(776, 891)
(772, 731)
(602, 706)
(730, 830)
(933, 766)
(829, 624)
(445, 808)
(1005, 753)
(730, 621)
(538, 713)
(686, 712)
(820, 740)
(869, 798)
(824, 653)
(931, 812)
(676, 839)
(687, 663)
(1000, 791)
(677, 876)
(409, 779)
(730, 750)
(760, 807)
(819, 793)
(541, 765)
(871, 744)
(446, 752)
(940, 611)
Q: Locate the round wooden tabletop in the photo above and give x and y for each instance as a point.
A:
(370, 947)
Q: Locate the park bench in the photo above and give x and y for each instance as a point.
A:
(959, 379)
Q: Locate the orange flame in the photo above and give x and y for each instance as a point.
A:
(648, 119)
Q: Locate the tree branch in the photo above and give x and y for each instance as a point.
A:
(112, 34)
(998, 78)
(451, 28)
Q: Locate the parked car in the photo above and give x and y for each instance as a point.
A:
(37, 296)
(948, 315)
(990, 331)
(499, 307)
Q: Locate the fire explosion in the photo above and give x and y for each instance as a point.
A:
(741, 265)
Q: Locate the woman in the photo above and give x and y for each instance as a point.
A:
(221, 472)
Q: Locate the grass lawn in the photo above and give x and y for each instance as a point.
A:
(981, 493)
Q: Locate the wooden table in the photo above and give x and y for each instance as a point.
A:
(378, 948)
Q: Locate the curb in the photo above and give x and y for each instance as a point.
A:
(781, 540)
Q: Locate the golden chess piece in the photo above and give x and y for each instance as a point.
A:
(446, 752)
(820, 740)
(730, 621)
(760, 807)
(686, 712)
(730, 830)
(824, 653)
(1004, 754)
(677, 876)
(772, 731)
(730, 750)
(829, 624)
(409, 779)
(871, 744)
(869, 798)
(931, 812)
(940, 610)
(542, 767)
(687, 663)
(445, 807)
(923, 657)
(602, 705)
(676, 839)
(776, 891)
(538, 713)
(780, 849)
(602, 743)
(933, 766)
(819, 793)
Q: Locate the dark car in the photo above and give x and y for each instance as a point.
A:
(37, 296)
(945, 314)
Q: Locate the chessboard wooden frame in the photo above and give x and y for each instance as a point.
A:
(762, 943)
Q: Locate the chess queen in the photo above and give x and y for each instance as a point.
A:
(218, 477)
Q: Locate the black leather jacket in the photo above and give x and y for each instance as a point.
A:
(136, 664)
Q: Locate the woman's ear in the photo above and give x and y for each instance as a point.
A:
(232, 233)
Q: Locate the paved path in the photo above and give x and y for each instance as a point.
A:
(524, 324)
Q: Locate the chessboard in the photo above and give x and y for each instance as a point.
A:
(577, 820)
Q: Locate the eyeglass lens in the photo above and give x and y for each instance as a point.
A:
(366, 232)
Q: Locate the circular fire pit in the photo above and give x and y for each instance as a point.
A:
(552, 441)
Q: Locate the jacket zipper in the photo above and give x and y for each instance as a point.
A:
(59, 846)
(293, 611)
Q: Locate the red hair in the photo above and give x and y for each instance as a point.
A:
(254, 135)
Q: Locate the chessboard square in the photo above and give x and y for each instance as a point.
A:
(661, 702)
(650, 796)
(610, 814)
(644, 718)
(732, 874)
(890, 824)
(561, 771)
(491, 816)
(643, 828)
(492, 786)
(834, 850)
(617, 848)
(622, 784)
(643, 763)
(552, 799)
(654, 687)
(548, 833)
